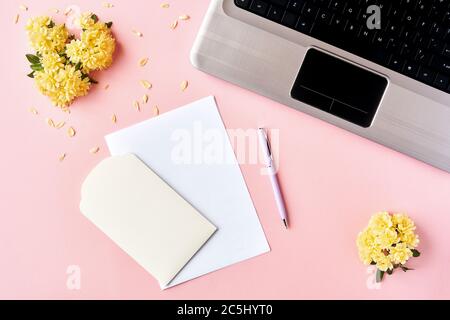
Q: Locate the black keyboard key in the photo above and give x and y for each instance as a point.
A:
(423, 8)
(351, 11)
(411, 69)
(446, 52)
(275, 13)
(441, 81)
(426, 75)
(380, 40)
(437, 31)
(394, 27)
(242, 3)
(436, 46)
(295, 6)
(407, 35)
(259, 7)
(337, 6)
(324, 17)
(392, 44)
(406, 50)
(396, 63)
(422, 57)
(366, 35)
(411, 19)
(338, 23)
(289, 19)
(310, 11)
(304, 25)
(352, 29)
(440, 64)
(396, 14)
(424, 25)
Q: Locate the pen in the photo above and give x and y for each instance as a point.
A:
(268, 159)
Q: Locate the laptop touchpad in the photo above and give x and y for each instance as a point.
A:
(339, 87)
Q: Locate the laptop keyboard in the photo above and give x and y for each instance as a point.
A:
(414, 38)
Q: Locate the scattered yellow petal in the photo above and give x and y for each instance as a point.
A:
(94, 150)
(16, 18)
(146, 84)
(174, 24)
(155, 110)
(165, 5)
(71, 132)
(23, 7)
(184, 17)
(184, 84)
(143, 62)
(67, 11)
(50, 122)
(144, 98)
(114, 118)
(107, 5)
(59, 125)
(136, 105)
(139, 34)
(66, 110)
(33, 111)
(106, 86)
(62, 157)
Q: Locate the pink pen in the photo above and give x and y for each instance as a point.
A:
(264, 142)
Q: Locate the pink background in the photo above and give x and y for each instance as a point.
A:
(333, 181)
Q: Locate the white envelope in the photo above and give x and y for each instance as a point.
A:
(216, 190)
(143, 215)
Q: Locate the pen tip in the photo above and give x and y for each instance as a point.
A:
(285, 223)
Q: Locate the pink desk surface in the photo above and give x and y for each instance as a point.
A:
(332, 180)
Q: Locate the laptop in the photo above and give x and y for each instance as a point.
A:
(378, 68)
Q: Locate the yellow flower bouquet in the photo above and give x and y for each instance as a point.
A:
(61, 64)
(388, 242)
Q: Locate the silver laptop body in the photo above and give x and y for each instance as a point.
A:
(265, 57)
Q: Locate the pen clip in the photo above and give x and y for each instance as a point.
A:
(266, 138)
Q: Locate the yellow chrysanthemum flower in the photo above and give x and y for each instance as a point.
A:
(381, 221)
(96, 47)
(366, 245)
(85, 21)
(383, 261)
(62, 86)
(388, 241)
(61, 69)
(400, 253)
(45, 36)
(52, 62)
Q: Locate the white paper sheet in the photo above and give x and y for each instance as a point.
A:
(215, 188)
(143, 215)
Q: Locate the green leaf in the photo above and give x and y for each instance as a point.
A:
(94, 17)
(33, 59)
(92, 80)
(37, 67)
(78, 66)
(405, 268)
(415, 253)
(379, 275)
(31, 75)
(109, 24)
(51, 24)
(373, 263)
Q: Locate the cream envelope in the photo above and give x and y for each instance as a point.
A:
(144, 216)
